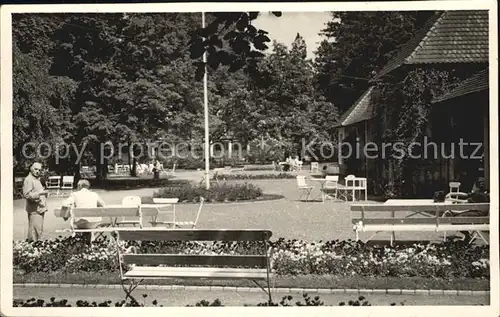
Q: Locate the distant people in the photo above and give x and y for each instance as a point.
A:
(36, 201)
(83, 197)
(156, 169)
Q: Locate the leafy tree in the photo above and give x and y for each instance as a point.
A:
(229, 39)
(357, 46)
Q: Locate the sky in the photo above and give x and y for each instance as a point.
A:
(284, 29)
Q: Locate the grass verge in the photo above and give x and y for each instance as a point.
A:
(306, 281)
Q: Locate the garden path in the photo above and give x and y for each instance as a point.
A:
(232, 298)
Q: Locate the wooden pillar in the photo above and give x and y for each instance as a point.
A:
(340, 138)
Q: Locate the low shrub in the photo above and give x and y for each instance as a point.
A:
(448, 260)
(216, 193)
(245, 176)
(134, 183)
(259, 167)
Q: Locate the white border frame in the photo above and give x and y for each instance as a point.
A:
(6, 157)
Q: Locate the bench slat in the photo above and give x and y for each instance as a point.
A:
(464, 220)
(183, 259)
(395, 221)
(195, 235)
(149, 211)
(424, 227)
(429, 220)
(420, 208)
(106, 212)
(474, 227)
(173, 272)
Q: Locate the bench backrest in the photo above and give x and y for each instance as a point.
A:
(261, 260)
(438, 208)
(423, 221)
(111, 211)
(431, 207)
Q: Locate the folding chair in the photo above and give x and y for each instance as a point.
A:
(301, 182)
(331, 185)
(130, 201)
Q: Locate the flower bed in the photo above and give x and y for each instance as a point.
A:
(216, 193)
(245, 176)
(291, 257)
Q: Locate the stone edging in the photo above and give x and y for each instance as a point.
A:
(279, 290)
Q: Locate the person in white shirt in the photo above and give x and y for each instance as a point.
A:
(81, 199)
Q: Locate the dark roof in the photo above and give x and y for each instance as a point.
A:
(448, 37)
(361, 110)
(478, 82)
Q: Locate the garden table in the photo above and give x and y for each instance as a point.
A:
(155, 210)
(417, 203)
(322, 181)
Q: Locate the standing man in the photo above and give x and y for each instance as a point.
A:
(36, 201)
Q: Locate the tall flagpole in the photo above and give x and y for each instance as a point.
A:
(205, 97)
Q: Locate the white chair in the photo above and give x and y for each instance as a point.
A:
(454, 187)
(314, 167)
(299, 165)
(54, 183)
(361, 185)
(331, 185)
(301, 182)
(130, 201)
(68, 183)
(350, 183)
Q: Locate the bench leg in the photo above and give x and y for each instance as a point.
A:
(475, 235)
(268, 291)
(130, 289)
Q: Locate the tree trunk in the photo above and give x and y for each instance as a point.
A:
(101, 167)
(133, 170)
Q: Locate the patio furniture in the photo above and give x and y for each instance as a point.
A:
(432, 219)
(303, 187)
(18, 185)
(331, 185)
(67, 184)
(139, 266)
(53, 183)
(455, 193)
(353, 184)
(299, 165)
(171, 202)
(113, 212)
(131, 201)
(314, 167)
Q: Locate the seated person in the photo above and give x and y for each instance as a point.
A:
(84, 198)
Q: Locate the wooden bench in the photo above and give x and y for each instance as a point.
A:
(431, 219)
(113, 212)
(136, 267)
